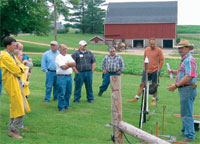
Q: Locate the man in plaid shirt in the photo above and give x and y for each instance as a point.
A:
(113, 64)
(185, 82)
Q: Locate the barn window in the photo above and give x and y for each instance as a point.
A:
(138, 43)
(167, 43)
(96, 41)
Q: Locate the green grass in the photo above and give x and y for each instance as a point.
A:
(70, 39)
(86, 123)
(188, 29)
(193, 38)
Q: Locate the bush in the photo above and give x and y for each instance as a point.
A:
(77, 31)
(63, 31)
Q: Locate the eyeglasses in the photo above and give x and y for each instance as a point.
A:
(180, 48)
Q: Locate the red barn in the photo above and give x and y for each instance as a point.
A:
(135, 22)
(97, 40)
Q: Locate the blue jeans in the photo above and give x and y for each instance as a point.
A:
(64, 84)
(85, 77)
(187, 97)
(106, 81)
(51, 82)
(0, 83)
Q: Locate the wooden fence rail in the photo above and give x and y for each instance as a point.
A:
(120, 127)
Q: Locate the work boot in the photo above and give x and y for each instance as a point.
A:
(154, 101)
(100, 93)
(133, 100)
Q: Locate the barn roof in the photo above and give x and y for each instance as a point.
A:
(141, 12)
(98, 37)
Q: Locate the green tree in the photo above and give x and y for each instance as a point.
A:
(30, 16)
(88, 16)
(62, 8)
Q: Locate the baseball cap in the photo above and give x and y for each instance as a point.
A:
(53, 43)
(82, 43)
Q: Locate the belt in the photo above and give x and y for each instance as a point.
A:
(64, 74)
(112, 72)
(85, 71)
(184, 86)
(51, 70)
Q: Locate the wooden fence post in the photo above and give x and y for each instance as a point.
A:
(120, 127)
(116, 108)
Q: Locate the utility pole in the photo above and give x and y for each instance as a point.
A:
(55, 24)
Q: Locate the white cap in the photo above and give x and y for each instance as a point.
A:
(53, 43)
(82, 43)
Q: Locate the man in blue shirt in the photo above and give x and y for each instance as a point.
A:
(48, 65)
(25, 58)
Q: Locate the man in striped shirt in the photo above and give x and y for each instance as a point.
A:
(113, 64)
(186, 77)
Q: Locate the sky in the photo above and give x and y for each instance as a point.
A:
(188, 10)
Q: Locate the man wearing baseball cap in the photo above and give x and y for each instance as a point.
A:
(48, 65)
(85, 65)
(186, 78)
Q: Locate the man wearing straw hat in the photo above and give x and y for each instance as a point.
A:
(186, 77)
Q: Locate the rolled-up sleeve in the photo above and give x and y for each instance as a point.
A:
(190, 68)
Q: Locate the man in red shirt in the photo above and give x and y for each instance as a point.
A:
(156, 61)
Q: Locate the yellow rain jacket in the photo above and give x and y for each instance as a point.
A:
(23, 79)
(11, 72)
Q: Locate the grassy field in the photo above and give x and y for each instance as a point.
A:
(70, 39)
(188, 29)
(85, 123)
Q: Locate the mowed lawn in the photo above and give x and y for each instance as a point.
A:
(85, 123)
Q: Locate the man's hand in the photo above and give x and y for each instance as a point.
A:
(28, 75)
(25, 61)
(172, 87)
(169, 72)
(118, 72)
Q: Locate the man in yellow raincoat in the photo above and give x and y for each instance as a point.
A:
(11, 73)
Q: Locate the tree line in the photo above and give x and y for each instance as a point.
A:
(35, 16)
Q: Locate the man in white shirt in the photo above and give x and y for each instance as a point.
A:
(64, 63)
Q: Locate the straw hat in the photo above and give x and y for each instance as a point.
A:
(185, 43)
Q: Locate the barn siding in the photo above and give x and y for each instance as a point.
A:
(140, 31)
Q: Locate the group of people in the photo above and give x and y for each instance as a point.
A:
(59, 66)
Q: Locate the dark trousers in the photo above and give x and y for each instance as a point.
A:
(106, 81)
(80, 78)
